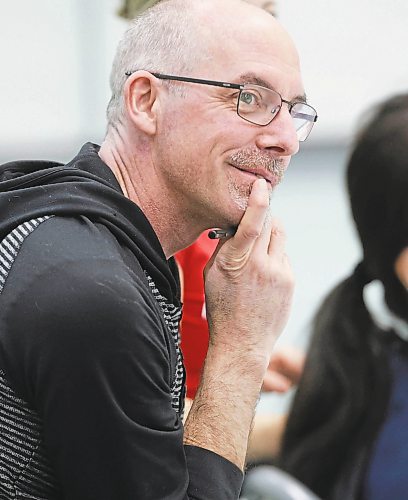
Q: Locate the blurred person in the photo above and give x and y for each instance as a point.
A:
(347, 432)
(268, 5)
(91, 373)
(194, 327)
(131, 8)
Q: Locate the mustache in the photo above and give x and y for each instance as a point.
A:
(254, 159)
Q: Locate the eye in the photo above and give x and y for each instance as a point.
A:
(249, 98)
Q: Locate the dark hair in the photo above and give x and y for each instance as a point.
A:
(377, 182)
(344, 392)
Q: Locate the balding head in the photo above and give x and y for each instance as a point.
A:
(189, 37)
(207, 96)
(231, 24)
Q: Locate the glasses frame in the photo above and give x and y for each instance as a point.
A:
(237, 86)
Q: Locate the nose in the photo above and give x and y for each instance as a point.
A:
(280, 135)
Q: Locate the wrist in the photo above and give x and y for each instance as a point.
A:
(224, 407)
(241, 358)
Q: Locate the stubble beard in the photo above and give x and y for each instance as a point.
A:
(248, 159)
(240, 194)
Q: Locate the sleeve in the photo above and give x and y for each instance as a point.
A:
(97, 366)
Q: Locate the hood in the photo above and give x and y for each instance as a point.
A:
(84, 186)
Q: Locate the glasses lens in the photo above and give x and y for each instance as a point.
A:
(258, 105)
(304, 117)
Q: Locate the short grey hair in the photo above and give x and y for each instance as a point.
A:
(165, 39)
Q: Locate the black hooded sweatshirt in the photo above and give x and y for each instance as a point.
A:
(91, 375)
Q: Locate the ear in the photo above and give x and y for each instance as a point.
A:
(141, 104)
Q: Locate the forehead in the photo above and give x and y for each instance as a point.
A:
(274, 62)
(246, 39)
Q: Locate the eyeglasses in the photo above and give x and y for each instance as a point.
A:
(259, 105)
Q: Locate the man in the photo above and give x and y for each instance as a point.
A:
(92, 380)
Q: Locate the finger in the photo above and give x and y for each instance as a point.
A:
(275, 382)
(277, 241)
(288, 362)
(264, 239)
(253, 220)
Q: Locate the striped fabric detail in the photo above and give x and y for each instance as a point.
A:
(25, 471)
(172, 316)
(24, 468)
(11, 244)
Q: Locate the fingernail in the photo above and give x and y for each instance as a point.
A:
(259, 184)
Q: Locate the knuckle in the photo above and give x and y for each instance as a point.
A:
(278, 231)
(250, 233)
(276, 226)
(281, 276)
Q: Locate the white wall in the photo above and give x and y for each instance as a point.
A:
(353, 53)
(55, 58)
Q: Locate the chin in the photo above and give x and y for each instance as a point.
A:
(235, 213)
(238, 203)
(229, 216)
(239, 196)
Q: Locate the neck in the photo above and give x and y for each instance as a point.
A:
(140, 181)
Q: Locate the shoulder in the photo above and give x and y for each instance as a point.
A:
(73, 297)
(63, 238)
(56, 242)
(71, 278)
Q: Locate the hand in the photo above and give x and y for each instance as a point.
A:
(284, 370)
(249, 282)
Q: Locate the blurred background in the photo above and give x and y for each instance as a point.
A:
(56, 57)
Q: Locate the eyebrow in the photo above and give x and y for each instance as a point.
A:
(252, 78)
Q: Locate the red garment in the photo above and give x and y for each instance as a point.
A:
(194, 328)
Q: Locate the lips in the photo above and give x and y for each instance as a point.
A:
(261, 173)
(259, 163)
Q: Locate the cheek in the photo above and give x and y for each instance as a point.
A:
(199, 142)
(182, 125)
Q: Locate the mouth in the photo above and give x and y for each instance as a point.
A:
(257, 173)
